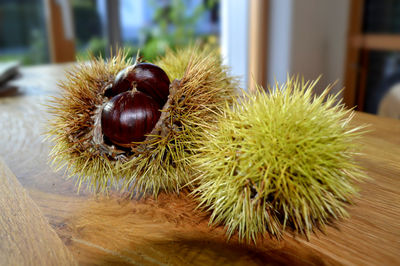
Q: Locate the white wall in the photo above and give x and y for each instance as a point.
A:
(280, 31)
(338, 15)
(306, 37)
(316, 33)
(309, 38)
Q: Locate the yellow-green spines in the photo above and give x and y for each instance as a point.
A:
(275, 159)
(200, 91)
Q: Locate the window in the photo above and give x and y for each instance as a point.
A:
(23, 32)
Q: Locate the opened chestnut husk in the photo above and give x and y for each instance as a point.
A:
(93, 140)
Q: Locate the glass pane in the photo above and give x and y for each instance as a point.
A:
(90, 27)
(23, 32)
(382, 16)
(155, 25)
(383, 74)
(149, 25)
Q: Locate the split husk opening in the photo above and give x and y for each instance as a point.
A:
(201, 87)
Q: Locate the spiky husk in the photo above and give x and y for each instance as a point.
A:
(160, 162)
(278, 158)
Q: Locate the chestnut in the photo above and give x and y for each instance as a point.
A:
(128, 117)
(146, 77)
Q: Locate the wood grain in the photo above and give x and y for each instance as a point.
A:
(115, 229)
(258, 43)
(26, 237)
(353, 52)
(62, 49)
(382, 42)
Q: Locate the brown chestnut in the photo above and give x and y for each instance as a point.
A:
(127, 117)
(147, 78)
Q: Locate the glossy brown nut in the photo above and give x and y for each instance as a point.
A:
(148, 78)
(127, 117)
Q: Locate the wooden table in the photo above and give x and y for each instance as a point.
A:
(114, 229)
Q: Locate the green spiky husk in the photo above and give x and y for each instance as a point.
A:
(198, 94)
(276, 159)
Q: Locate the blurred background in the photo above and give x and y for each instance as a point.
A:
(356, 42)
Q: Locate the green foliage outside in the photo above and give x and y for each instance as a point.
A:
(23, 33)
(174, 28)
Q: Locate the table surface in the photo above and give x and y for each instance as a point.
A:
(115, 229)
